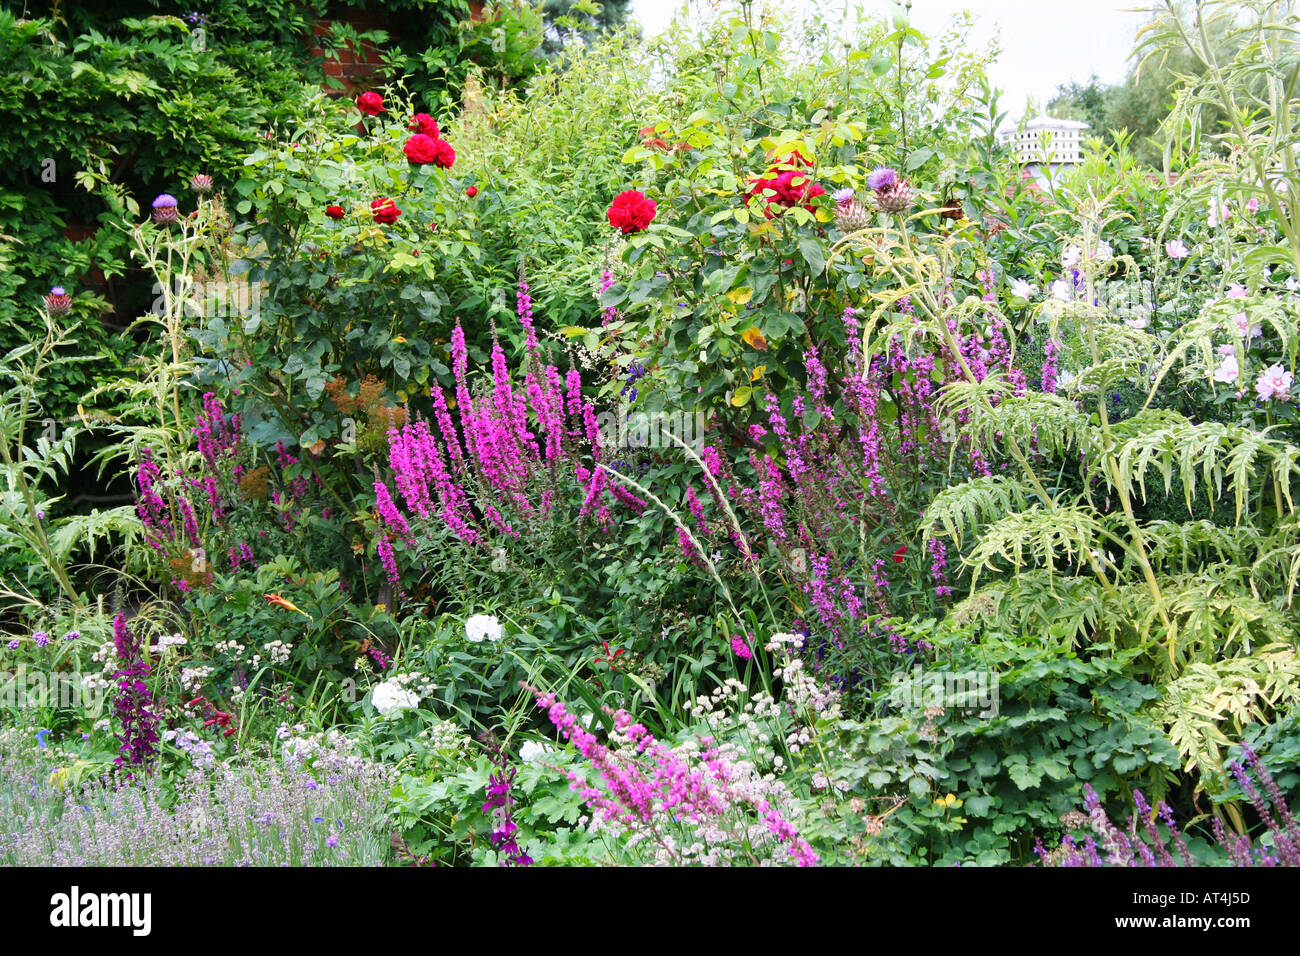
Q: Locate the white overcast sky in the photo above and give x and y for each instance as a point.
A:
(1044, 42)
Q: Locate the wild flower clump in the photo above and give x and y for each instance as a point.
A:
(699, 802)
(828, 472)
(514, 458)
(187, 514)
(1112, 846)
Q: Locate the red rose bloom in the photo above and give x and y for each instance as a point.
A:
(372, 104)
(787, 189)
(426, 124)
(421, 149)
(385, 210)
(898, 555)
(445, 157)
(334, 212)
(471, 191)
(631, 211)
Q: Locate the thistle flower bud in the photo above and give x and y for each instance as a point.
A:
(201, 183)
(164, 210)
(58, 302)
(895, 197)
(850, 215)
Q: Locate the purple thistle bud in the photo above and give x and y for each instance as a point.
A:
(164, 210)
(882, 177)
(58, 302)
(200, 182)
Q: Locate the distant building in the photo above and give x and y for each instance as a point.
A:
(1044, 144)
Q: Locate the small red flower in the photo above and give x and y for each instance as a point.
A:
(898, 555)
(609, 660)
(631, 211)
(370, 103)
(424, 123)
(334, 212)
(471, 191)
(385, 210)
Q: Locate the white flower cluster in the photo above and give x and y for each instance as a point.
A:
(92, 683)
(192, 678)
(233, 648)
(106, 655)
(482, 627)
(388, 697)
(278, 651)
(802, 690)
(533, 749)
(172, 640)
(422, 684)
(446, 738)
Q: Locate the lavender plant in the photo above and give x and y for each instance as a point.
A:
(326, 811)
(1111, 845)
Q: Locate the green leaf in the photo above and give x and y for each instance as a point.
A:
(813, 254)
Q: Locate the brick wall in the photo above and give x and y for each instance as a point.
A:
(359, 68)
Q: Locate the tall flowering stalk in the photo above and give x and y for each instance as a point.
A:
(504, 828)
(133, 703)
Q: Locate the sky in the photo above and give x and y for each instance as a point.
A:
(1044, 42)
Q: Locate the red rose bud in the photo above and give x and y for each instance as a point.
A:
(372, 104)
(426, 124)
(385, 210)
(201, 183)
(631, 211)
(58, 302)
(334, 212)
(471, 191)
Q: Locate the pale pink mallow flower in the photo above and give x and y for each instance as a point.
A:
(1242, 324)
(1274, 382)
(1228, 371)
